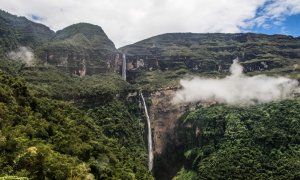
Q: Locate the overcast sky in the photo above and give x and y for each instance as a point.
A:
(128, 21)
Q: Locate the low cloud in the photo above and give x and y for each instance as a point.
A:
(23, 54)
(237, 89)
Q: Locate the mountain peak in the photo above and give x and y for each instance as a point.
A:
(88, 30)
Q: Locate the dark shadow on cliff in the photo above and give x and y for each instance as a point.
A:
(167, 164)
(171, 160)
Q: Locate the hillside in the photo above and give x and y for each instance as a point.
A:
(70, 114)
(58, 125)
(81, 49)
(18, 31)
(258, 142)
(177, 54)
(77, 49)
(43, 138)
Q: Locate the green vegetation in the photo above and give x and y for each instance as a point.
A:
(211, 54)
(257, 142)
(153, 80)
(54, 83)
(77, 43)
(84, 34)
(43, 138)
(57, 125)
(18, 31)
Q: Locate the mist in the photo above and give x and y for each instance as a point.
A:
(237, 88)
(23, 54)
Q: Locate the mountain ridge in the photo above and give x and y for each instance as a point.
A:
(72, 116)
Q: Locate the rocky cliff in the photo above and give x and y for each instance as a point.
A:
(168, 130)
(77, 49)
(164, 117)
(214, 52)
(80, 49)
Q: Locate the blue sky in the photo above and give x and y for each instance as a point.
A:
(289, 26)
(126, 22)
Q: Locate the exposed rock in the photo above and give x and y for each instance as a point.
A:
(80, 49)
(163, 115)
(214, 52)
(164, 118)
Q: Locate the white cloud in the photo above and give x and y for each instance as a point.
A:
(23, 54)
(276, 12)
(132, 20)
(237, 89)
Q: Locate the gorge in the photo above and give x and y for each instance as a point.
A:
(82, 89)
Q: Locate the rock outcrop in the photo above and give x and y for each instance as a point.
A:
(80, 49)
(168, 144)
(77, 49)
(213, 52)
(165, 116)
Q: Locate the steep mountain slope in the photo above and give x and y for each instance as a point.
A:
(257, 142)
(78, 49)
(162, 60)
(97, 126)
(19, 31)
(212, 53)
(41, 138)
(81, 49)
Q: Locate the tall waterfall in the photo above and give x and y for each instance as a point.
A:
(124, 67)
(150, 152)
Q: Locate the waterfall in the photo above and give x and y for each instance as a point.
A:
(150, 152)
(124, 67)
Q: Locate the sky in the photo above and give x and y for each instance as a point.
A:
(128, 21)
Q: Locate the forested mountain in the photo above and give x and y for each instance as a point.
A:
(215, 51)
(43, 138)
(18, 31)
(259, 142)
(210, 54)
(70, 115)
(81, 49)
(55, 124)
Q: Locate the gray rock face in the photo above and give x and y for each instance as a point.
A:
(80, 49)
(214, 52)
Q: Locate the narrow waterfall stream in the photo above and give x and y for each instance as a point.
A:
(150, 152)
(124, 67)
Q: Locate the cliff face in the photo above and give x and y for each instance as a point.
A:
(167, 131)
(164, 117)
(80, 49)
(214, 52)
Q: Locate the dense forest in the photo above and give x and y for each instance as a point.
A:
(43, 138)
(57, 122)
(257, 142)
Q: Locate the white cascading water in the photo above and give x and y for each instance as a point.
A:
(124, 67)
(150, 152)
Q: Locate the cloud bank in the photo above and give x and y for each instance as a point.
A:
(237, 89)
(129, 21)
(24, 54)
